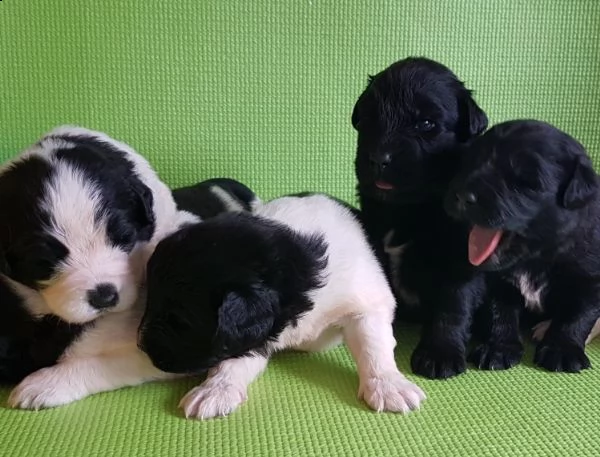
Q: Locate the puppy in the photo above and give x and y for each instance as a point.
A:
(530, 195)
(215, 196)
(412, 119)
(81, 215)
(297, 273)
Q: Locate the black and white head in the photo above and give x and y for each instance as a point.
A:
(410, 119)
(79, 216)
(522, 188)
(225, 287)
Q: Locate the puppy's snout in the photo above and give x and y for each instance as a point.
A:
(466, 198)
(105, 295)
(381, 160)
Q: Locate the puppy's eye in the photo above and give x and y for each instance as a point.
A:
(424, 125)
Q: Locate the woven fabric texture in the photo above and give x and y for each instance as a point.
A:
(262, 91)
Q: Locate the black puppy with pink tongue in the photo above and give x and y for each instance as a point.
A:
(530, 196)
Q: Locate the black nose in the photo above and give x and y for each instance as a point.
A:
(466, 198)
(381, 160)
(103, 296)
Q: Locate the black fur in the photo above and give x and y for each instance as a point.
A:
(224, 288)
(537, 185)
(128, 202)
(411, 120)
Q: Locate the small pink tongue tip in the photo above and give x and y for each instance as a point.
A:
(482, 244)
(383, 185)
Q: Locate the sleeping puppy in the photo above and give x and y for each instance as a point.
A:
(81, 215)
(298, 273)
(411, 120)
(530, 195)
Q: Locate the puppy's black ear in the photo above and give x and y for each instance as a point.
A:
(472, 120)
(246, 317)
(356, 112)
(580, 186)
(144, 210)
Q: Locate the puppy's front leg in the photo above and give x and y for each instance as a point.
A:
(563, 346)
(77, 377)
(224, 389)
(501, 347)
(371, 342)
(441, 350)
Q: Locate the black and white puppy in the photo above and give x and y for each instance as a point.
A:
(214, 196)
(411, 120)
(298, 273)
(81, 215)
(531, 197)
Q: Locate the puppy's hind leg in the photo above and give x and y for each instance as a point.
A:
(371, 342)
(224, 389)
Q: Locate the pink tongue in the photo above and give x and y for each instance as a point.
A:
(482, 243)
(383, 185)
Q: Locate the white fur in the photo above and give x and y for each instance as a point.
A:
(230, 203)
(104, 358)
(532, 295)
(355, 302)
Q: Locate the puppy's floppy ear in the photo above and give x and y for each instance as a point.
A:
(356, 112)
(144, 209)
(581, 184)
(246, 317)
(472, 120)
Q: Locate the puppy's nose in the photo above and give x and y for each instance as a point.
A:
(466, 198)
(103, 296)
(382, 160)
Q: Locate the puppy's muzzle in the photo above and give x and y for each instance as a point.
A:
(459, 202)
(381, 161)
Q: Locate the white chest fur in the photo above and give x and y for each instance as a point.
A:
(531, 292)
(394, 254)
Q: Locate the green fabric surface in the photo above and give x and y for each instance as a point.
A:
(262, 91)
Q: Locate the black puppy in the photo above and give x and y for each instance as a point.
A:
(530, 195)
(411, 120)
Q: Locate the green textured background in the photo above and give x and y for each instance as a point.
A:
(262, 90)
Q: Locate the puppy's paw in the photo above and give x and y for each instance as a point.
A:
(391, 392)
(498, 356)
(565, 356)
(438, 362)
(44, 388)
(539, 330)
(210, 400)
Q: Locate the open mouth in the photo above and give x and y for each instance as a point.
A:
(483, 242)
(383, 185)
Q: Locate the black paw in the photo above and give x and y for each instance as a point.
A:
(438, 362)
(496, 356)
(567, 357)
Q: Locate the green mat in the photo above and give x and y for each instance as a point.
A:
(262, 91)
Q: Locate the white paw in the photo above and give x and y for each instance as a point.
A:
(539, 330)
(44, 388)
(391, 392)
(210, 400)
